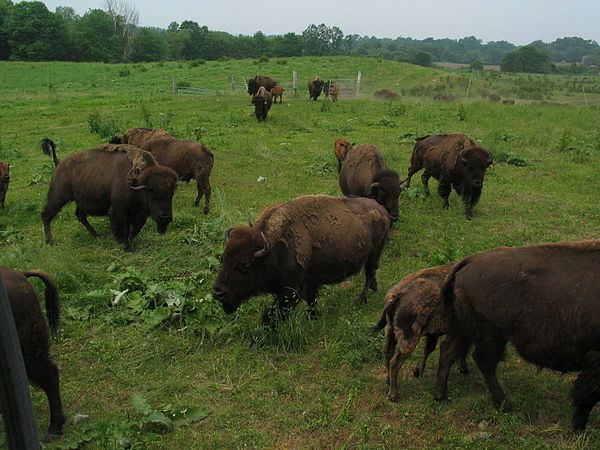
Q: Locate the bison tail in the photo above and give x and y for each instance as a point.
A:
(448, 288)
(380, 325)
(52, 298)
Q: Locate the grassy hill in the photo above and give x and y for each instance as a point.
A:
(313, 384)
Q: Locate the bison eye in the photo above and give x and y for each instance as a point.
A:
(244, 266)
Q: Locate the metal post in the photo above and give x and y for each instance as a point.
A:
(295, 82)
(584, 96)
(468, 88)
(15, 399)
(358, 78)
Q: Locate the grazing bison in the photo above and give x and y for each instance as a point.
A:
(544, 299)
(277, 91)
(341, 147)
(4, 180)
(315, 86)
(508, 101)
(32, 331)
(327, 85)
(299, 246)
(334, 91)
(385, 94)
(493, 97)
(191, 160)
(413, 308)
(119, 181)
(262, 102)
(363, 173)
(260, 80)
(49, 148)
(455, 161)
(444, 97)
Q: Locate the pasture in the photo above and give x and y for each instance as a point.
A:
(145, 350)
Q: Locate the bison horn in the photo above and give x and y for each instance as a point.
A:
(138, 188)
(462, 156)
(265, 250)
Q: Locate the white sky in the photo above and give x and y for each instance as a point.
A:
(517, 21)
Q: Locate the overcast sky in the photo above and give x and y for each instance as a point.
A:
(517, 21)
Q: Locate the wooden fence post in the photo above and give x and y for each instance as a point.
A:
(358, 78)
(295, 83)
(233, 86)
(15, 399)
(174, 86)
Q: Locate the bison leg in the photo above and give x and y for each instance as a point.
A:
(430, 345)
(44, 373)
(310, 295)
(204, 188)
(585, 394)
(487, 356)
(444, 189)
(137, 224)
(451, 349)
(284, 302)
(404, 348)
(425, 179)
(121, 230)
(371, 267)
(50, 210)
(82, 217)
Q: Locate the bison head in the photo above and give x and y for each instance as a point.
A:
(252, 86)
(157, 185)
(118, 139)
(474, 162)
(243, 270)
(386, 189)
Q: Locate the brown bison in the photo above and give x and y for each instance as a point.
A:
(119, 181)
(327, 85)
(299, 246)
(32, 331)
(262, 102)
(315, 86)
(277, 91)
(385, 94)
(413, 308)
(493, 97)
(508, 101)
(260, 80)
(341, 147)
(334, 91)
(49, 148)
(455, 161)
(544, 299)
(444, 97)
(363, 173)
(191, 160)
(4, 180)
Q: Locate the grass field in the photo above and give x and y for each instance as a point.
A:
(130, 360)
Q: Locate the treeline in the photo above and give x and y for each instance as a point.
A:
(30, 32)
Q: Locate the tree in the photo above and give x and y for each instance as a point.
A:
(5, 6)
(526, 59)
(476, 66)
(322, 40)
(96, 39)
(125, 17)
(422, 58)
(149, 45)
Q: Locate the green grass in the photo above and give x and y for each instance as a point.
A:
(313, 384)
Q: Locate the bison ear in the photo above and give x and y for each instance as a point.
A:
(374, 189)
(265, 250)
(462, 156)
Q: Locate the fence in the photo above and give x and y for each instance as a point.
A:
(347, 88)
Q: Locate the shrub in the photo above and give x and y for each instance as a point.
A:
(263, 59)
(197, 62)
(224, 58)
(124, 72)
(105, 127)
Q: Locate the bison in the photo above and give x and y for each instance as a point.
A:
(413, 308)
(385, 94)
(444, 97)
(49, 148)
(4, 180)
(32, 331)
(341, 147)
(334, 91)
(191, 160)
(544, 299)
(327, 85)
(493, 97)
(455, 161)
(260, 80)
(299, 246)
(363, 173)
(262, 102)
(315, 86)
(120, 181)
(277, 91)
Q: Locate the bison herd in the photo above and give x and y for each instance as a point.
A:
(543, 299)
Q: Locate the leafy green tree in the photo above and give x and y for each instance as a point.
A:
(422, 58)
(322, 40)
(96, 38)
(34, 33)
(476, 65)
(527, 59)
(149, 45)
(5, 6)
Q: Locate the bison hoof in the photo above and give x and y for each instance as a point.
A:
(374, 286)
(395, 398)
(362, 298)
(463, 370)
(441, 397)
(205, 211)
(506, 406)
(52, 436)
(417, 372)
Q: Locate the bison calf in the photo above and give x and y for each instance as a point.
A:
(262, 102)
(363, 173)
(191, 160)
(4, 180)
(544, 299)
(455, 161)
(277, 91)
(33, 336)
(296, 247)
(119, 181)
(413, 308)
(341, 147)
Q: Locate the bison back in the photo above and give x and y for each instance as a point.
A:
(358, 170)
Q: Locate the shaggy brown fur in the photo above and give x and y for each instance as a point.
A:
(544, 299)
(299, 246)
(262, 102)
(334, 91)
(105, 182)
(413, 308)
(444, 97)
(508, 101)
(456, 161)
(494, 97)
(4, 181)
(191, 160)
(33, 336)
(341, 147)
(385, 94)
(266, 212)
(260, 80)
(49, 148)
(277, 91)
(363, 173)
(315, 86)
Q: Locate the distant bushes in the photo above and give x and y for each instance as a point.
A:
(104, 126)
